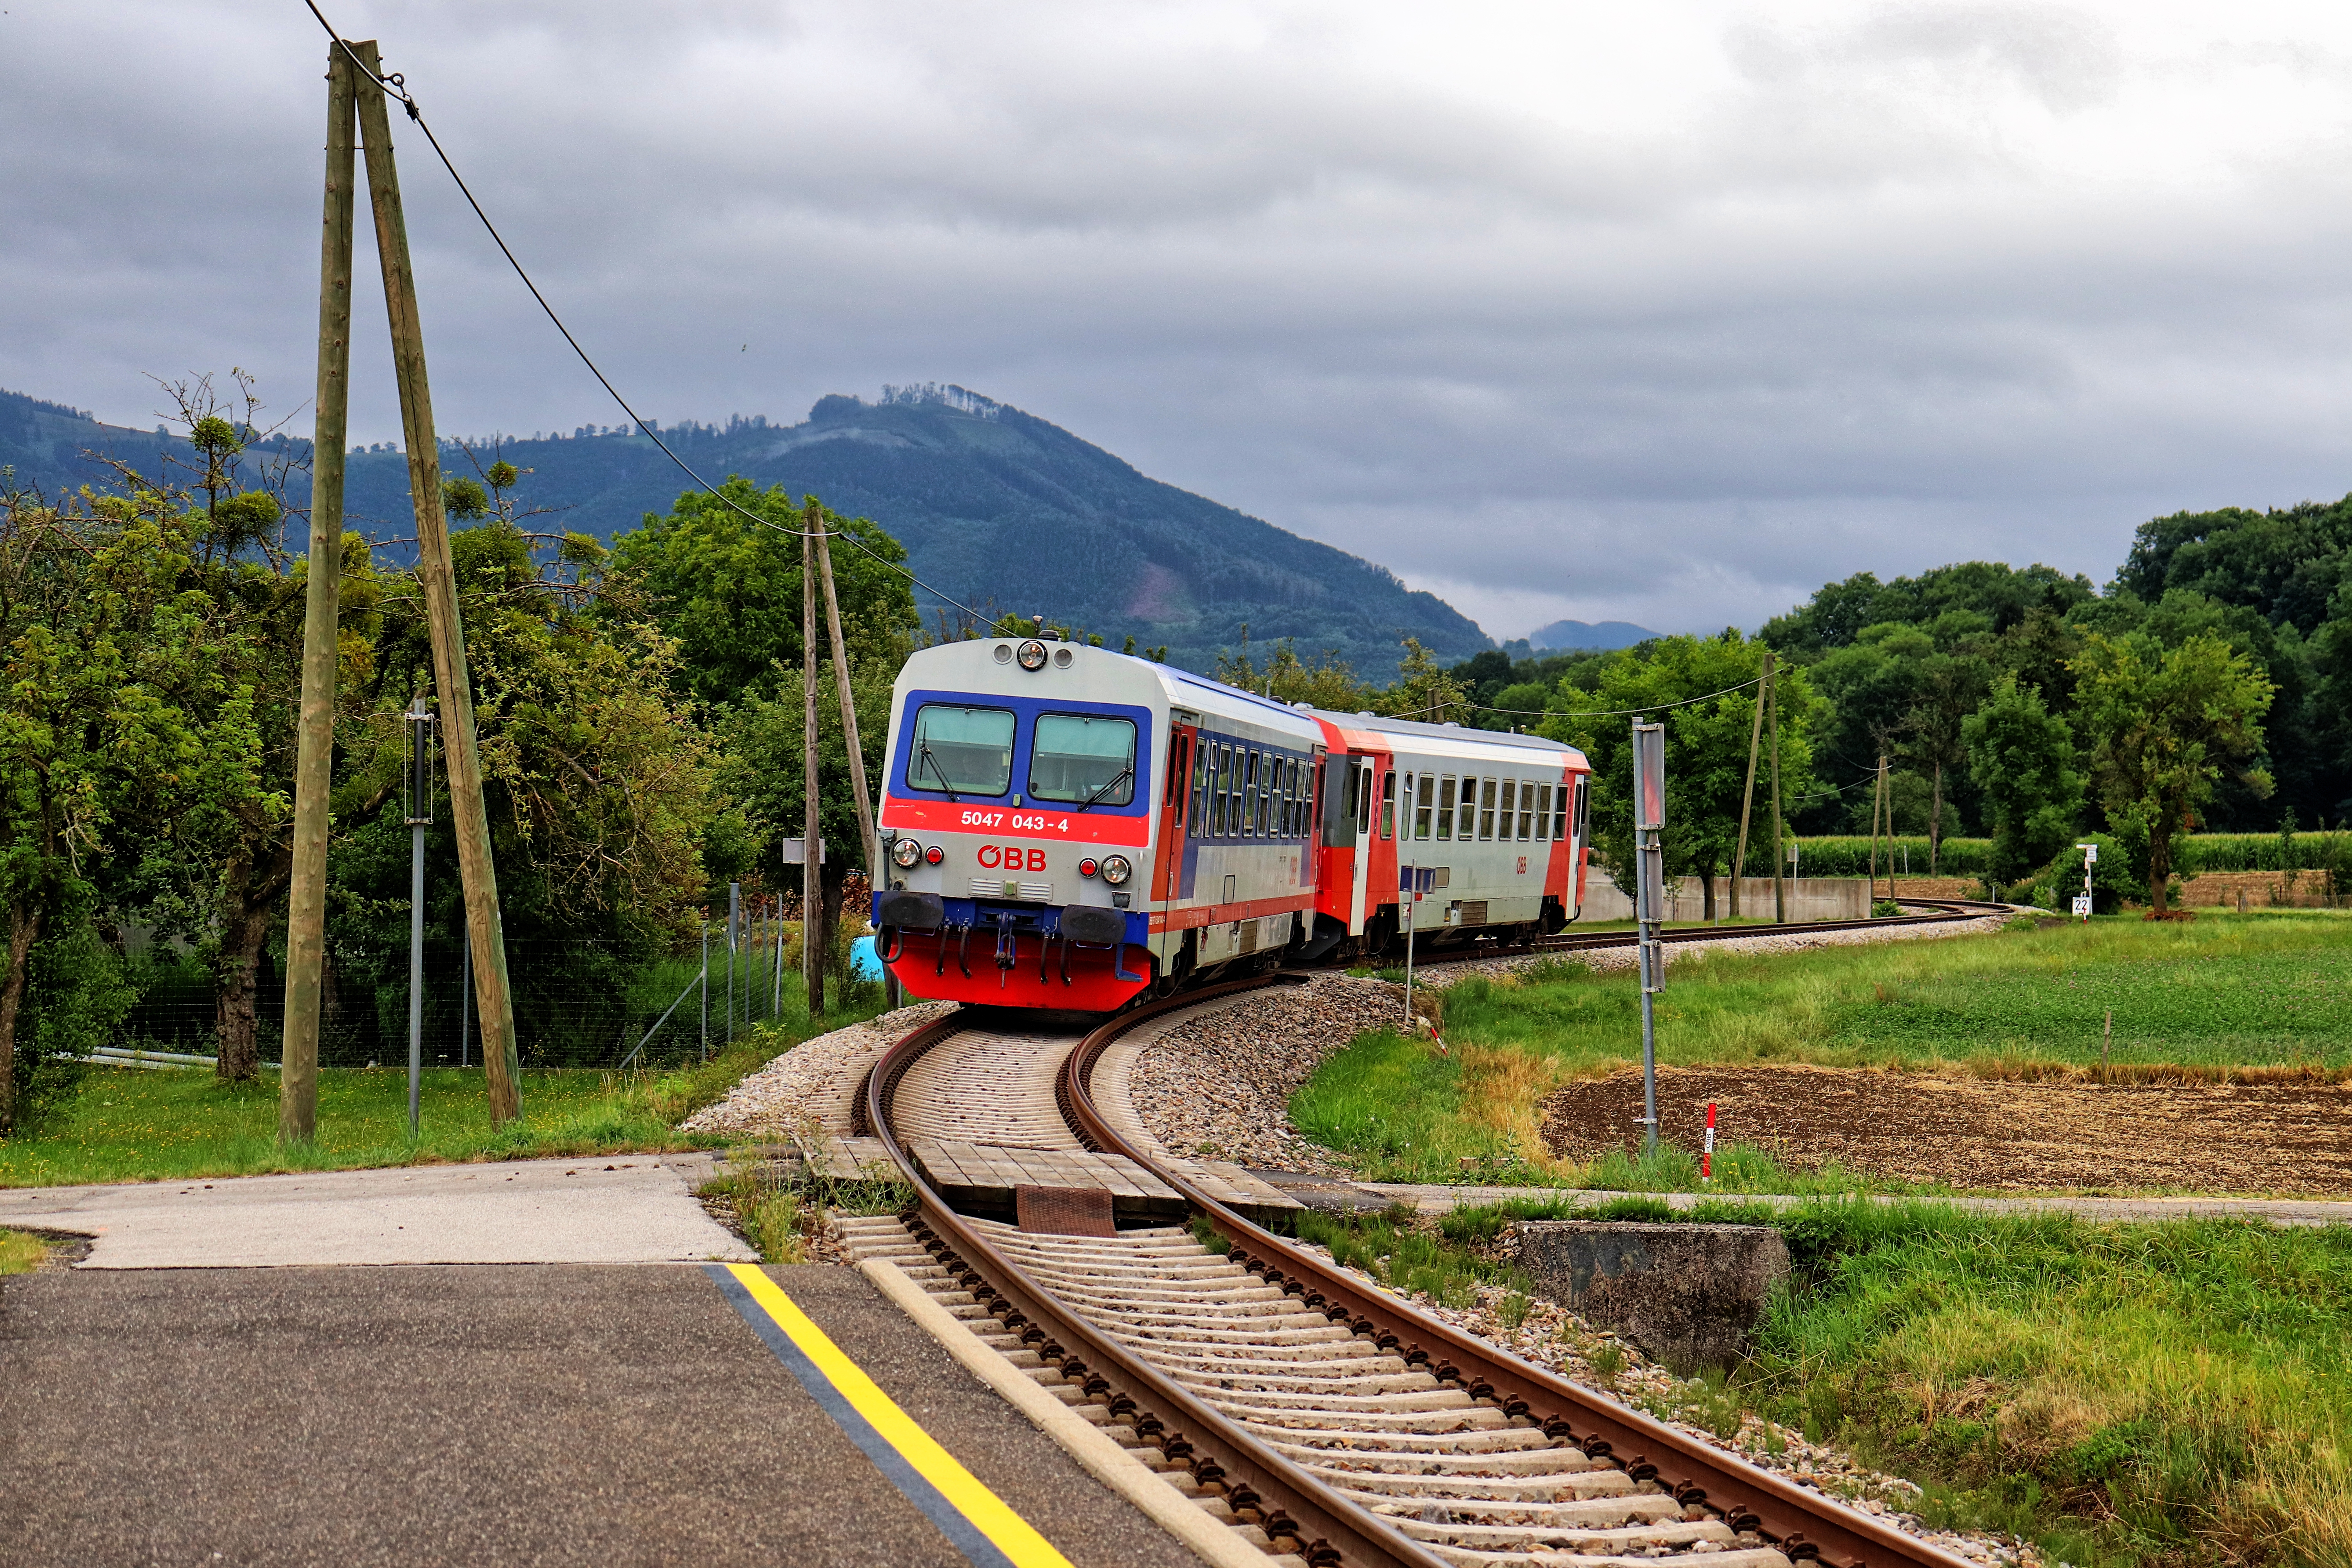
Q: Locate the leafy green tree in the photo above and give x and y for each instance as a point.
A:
(728, 589)
(1706, 749)
(2164, 723)
(2022, 758)
(1931, 734)
(1423, 690)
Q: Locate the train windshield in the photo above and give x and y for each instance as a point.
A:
(960, 751)
(1084, 760)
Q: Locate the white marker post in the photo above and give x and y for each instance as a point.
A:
(2082, 903)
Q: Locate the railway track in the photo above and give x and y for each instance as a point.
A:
(1330, 1423)
(1927, 911)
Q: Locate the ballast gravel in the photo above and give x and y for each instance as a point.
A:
(811, 1087)
(1219, 1086)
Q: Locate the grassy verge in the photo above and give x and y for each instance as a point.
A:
(2262, 993)
(19, 1253)
(127, 1125)
(2158, 1394)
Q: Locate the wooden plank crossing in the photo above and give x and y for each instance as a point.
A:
(984, 1176)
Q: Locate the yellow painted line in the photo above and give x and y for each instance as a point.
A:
(987, 1513)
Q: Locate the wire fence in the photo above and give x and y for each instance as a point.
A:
(576, 1004)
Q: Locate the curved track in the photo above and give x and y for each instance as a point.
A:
(1332, 1422)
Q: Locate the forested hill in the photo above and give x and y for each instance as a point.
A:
(997, 508)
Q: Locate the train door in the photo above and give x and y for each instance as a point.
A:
(1176, 794)
(1338, 893)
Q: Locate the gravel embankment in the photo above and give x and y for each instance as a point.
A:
(809, 1087)
(1220, 1085)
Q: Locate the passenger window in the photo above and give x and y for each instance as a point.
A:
(1526, 811)
(1487, 809)
(1248, 824)
(1388, 805)
(965, 750)
(1583, 833)
(1201, 755)
(1290, 798)
(1446, 808)
(1543, 811)
(1364, 800)
(1510, 798)
(1425, 805)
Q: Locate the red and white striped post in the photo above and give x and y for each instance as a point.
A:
(1707, 1150)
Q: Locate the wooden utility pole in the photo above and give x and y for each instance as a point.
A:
(1877, 804)
(877, 874)
(314, 734)
(1748, 795)
(1885, 805)
(811, 898)
(500, 1059)
(1773, 703)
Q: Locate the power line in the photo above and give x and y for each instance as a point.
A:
(396, 85)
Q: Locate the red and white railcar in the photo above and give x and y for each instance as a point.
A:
(1064, 826)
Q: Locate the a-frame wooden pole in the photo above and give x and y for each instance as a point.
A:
(1748, 795)
(877, 874)
(1772, 721)
(314, 736)
(500, 1059)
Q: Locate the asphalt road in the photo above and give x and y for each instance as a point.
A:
(528, 1414)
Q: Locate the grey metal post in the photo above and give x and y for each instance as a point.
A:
(465, 1000)
(419, 722)
(705, 989)
(776, 992)
(1410, 901)
(1649, 818)
(734, 925)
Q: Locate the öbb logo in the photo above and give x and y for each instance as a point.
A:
(1011, 858)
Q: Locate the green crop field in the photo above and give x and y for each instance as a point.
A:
(2272, 989)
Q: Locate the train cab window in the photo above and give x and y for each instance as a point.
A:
(1173, 791)
(1486, 808)
(1543, 811)
(1388, 805)
(1446, 808)
(965, 751)
(1083, 758)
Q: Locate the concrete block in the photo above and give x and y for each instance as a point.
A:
(1689, 1296)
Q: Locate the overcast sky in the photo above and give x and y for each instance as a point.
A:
(1662, 312)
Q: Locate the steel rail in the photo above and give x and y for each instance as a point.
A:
(1323, 1526)
(1805, 1525)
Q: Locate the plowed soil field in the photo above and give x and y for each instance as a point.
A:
(1987, 1134)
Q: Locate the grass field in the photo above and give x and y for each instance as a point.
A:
(2271, 989)
(134, 1124)
(19, 1253)
(2153, 1394)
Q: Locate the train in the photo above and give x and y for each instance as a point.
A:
(1068, 827)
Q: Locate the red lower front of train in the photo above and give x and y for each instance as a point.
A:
(1089, 961)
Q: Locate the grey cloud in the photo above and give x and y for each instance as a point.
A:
(1835, 311)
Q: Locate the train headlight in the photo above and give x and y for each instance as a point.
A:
(1116, 870)
(1033, 655)
(934, 855)
(906, 852)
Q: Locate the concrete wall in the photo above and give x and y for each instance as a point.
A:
(1808, 897)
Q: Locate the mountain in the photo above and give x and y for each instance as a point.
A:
(997, 508)
(1562, 635)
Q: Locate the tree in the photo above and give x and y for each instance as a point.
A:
(1932, 732)
(728, 589)
(2022, 757)
(2164, 724)
(1706, 747)
(1423, 690)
